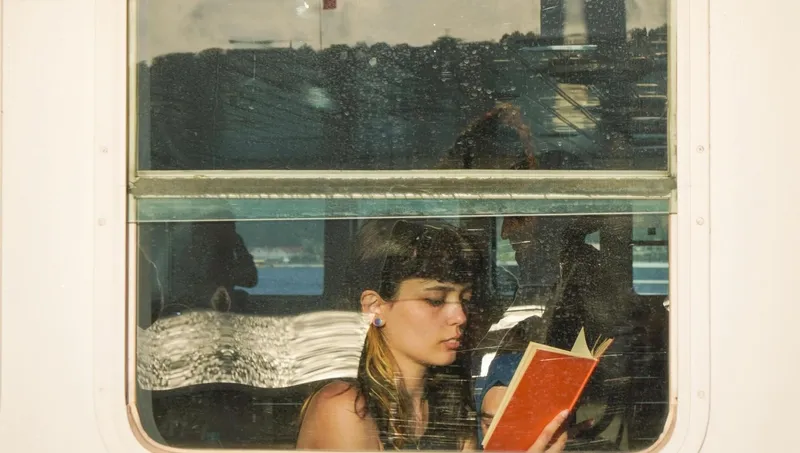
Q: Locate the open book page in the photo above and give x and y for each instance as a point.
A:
(601, 347)
(580, 348)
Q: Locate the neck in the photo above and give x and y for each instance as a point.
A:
(413, 376)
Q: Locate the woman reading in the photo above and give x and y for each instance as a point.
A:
(413, 388)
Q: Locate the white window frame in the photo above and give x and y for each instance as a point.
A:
(115, 237)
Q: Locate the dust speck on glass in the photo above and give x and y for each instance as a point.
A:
(250, 305)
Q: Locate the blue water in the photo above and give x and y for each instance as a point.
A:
(289, 281)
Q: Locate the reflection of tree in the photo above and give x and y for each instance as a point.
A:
(361, 106)
(645, 42)
(518, 39)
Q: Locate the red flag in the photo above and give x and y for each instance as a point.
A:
(328, 4)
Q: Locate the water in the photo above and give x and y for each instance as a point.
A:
(289, 281)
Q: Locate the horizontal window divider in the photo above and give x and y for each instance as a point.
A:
(247, 209)
(422, 184)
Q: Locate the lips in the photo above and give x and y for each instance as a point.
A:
(453, 343)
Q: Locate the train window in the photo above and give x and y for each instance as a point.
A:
(650, 256)
(649, 246)
(182, 263)
(277, 248)
(217, 364)
(298, 167)
(341, 89)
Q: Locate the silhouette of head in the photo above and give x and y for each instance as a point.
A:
(502, 139)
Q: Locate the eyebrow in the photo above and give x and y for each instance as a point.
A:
(486, 415)
(445, 287)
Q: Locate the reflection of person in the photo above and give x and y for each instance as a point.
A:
(214, 261)
(581, 285)
(235, 266)
(413, 388)
(555, 263)
(578, 283)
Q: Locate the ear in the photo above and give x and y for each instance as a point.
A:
(371, 303)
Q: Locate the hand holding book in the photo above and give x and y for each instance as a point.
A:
(546, 384)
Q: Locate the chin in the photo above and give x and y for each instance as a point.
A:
(444, 359)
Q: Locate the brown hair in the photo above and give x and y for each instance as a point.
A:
(387, 253)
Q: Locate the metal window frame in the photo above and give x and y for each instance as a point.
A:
(419, 184)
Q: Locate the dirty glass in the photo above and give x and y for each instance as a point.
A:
(240, 321)
(399, 85)
(250, 289)
(650, 271)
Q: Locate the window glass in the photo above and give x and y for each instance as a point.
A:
(256, 289)
(228, 354)
(288, 256)
(650, 255)
(650, 271)
(184, 264)
(413, 84)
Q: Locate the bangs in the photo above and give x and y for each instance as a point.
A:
(430, 252)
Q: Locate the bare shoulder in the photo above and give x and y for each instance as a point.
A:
(336, 419)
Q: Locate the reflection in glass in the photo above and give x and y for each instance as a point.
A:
(237, 376)
(649, 247)
(191, 265)
(372, 85)
(246, 307)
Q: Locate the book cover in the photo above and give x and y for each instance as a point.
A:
(547, 381)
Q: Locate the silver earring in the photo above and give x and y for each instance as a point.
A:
(378, 322)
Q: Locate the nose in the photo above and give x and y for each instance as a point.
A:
(457, 314)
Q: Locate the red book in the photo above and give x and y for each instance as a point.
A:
(328, 4)
(547, 381)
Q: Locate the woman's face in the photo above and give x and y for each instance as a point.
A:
(424, 320)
